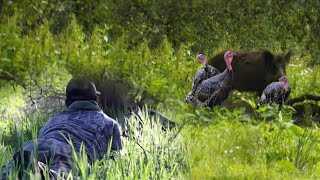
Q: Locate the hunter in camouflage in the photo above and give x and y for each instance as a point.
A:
(83, 122)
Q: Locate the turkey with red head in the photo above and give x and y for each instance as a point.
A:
(216, 89)
(205, 73)
(276, 92)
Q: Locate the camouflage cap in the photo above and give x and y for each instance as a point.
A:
(81, 87)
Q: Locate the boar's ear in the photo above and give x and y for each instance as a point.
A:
(287, 57)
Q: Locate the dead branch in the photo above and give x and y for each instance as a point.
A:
(310, 108)
(7, 77)
(303, 98)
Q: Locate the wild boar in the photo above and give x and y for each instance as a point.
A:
(254, 70)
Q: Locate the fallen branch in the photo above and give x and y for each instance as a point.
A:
(7, 77)
(303, 98)
(310, 108)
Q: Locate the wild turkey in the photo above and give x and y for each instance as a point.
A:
(205, 73)
(214, 90)
(276, 92)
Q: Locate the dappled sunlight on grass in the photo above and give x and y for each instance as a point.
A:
(258, 150)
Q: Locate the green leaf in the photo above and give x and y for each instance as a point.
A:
(5, 59)
(262, 109)
(285, 165)
(296, 130)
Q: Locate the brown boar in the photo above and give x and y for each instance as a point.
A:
(253, 71)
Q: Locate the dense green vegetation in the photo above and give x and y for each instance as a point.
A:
(156, 154)
(148, 49)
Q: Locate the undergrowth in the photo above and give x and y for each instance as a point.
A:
(151, 60)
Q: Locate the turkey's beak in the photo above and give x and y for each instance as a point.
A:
(234, 53)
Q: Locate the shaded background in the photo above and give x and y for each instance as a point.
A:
(140, 51)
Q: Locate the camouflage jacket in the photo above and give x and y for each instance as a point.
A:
(84, 122)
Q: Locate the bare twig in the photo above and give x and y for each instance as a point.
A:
(178, 132)
(36, 83)
(201, 104)
(144, 150)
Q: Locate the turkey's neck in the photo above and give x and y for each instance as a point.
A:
(228, 63)
(229, 67)
(207, 68)
(228, 74)
(285, 86)
(204, 62)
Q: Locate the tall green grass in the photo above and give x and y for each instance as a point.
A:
(254, 150)
(149, 153)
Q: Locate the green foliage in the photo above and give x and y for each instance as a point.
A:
(206, 24)
(148, 48)
(266, 150)
(10, 101)
(303, 78)
(21, 128)
(118, 62)
(25, 57)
